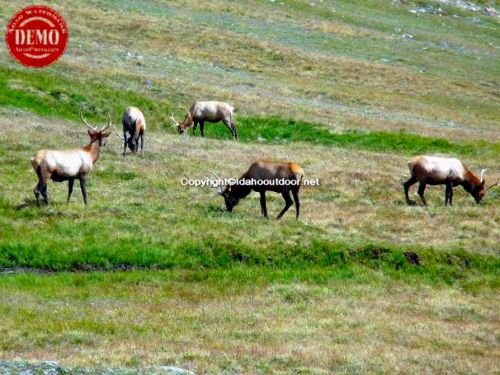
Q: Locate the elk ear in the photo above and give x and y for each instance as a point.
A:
(90, 132)
(107, 134)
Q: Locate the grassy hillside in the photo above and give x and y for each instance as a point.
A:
(350, 90)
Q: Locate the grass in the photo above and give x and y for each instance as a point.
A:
(213, 253)
(152, 272)
(382, 83)
(278, 130)
(51, 96)
(246, 320)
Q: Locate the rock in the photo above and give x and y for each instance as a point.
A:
(430, 9)
(412, 258)
(52, 368)
(490, 11)
(465, 5)
(171, 370)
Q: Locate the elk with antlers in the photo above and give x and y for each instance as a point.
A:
(207, 111)
(68, 165)
(262, 176)
(134, 127)
(434, 170)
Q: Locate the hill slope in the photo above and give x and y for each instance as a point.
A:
(360, 283)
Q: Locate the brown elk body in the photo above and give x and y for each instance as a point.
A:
(134, 128)
(451, 172)
(207, 111)
(262, 176)
(68, 165)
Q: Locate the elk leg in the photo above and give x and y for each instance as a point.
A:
(448, 195)
(228, 125)
(39, 186)
(83, 187)
(136, 144)
(124, 143)
(37, 193)
(421, 189)
(235, 135)
(295, 194)
(142, 144)
(202, 126)
(44, 193)
(195, 125)
(288, 203)
(71, 181)
(263, 208)
(407, 186)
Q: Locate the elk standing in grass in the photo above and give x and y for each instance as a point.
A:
(434, 170)
(134, 127)
(210, 112)
(262, 176)
(68, 165)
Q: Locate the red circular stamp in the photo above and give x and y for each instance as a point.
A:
(37, 36)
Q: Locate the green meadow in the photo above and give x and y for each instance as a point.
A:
(155, 273)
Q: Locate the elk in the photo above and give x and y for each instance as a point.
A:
(265, 176)
(68, 165)
(207, 111)
(134, 127)
(434, 170)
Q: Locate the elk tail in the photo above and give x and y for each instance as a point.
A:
(298, 172)
(35, 162)
(411, 166)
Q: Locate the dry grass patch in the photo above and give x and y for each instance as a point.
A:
(283, 327)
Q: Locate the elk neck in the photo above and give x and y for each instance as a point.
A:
(94, 148)
(240, 191)
(470, 181)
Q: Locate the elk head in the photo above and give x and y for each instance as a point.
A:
(480, 190)
(230, 198)
(131, 141)
(95, 134)
(182, 127)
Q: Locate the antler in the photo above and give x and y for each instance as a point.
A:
(482, 173)
(218, 188)
(495, 184)
(117, 133)
(81, 116)
(109, 123)
(175, 122)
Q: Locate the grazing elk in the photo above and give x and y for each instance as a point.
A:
(68, 164)
(207, 111)
(134, 127)
(434, 170)
(263, 176)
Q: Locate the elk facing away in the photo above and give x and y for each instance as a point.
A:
(134, 127)
(434, 170)
(265, 176)
(210, 112)
(68, 165)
